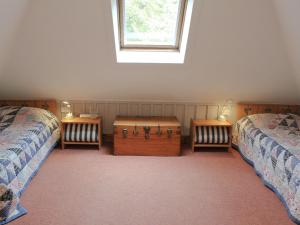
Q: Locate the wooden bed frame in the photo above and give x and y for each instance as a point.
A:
(244, 109)
(50, 105)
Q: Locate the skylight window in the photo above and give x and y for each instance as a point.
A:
(151, 31)
(151, 23)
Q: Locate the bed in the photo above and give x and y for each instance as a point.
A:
(29, 130)
(268, 138)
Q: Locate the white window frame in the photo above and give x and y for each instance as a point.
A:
(151, 53)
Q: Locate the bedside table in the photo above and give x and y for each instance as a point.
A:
(83, 131)
(210, 133)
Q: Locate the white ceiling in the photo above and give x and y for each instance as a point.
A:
(238, 49)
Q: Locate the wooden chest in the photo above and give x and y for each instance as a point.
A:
(156, 136)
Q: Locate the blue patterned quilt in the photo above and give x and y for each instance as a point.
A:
(271, 143)
(27, 135)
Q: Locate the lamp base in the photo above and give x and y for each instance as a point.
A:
(222, 118)
(69, 115)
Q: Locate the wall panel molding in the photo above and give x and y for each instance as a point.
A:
(183, 111)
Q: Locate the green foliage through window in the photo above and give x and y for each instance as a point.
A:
(151, 22)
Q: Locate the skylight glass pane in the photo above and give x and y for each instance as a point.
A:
(151, 22)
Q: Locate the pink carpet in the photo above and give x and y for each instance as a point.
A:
(78, 187)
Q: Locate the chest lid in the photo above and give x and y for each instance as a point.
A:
(147, 121)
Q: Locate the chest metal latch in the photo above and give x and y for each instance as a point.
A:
(159, 132)
(135, 131)
(147, 132)
(125, 132)
(169, 132)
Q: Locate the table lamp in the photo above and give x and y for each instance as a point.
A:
(66, 111)
(225, 110)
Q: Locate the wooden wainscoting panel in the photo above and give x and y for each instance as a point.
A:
(180, 112)
(91, 108)
(146, 110)
(157, 109)
(101, 109)
(201, 111)
(110, 109)
(111, 113)
(134, 109)
(212, 112)
(78, 108)
(169, 110)
(123, 109)
(190, 112)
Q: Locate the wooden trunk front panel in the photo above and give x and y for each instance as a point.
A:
(147, 139)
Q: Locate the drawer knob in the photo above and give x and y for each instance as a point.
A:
(125, 132)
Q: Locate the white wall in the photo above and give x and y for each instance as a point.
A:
(289, 18)
(11, 13)
(65, 50)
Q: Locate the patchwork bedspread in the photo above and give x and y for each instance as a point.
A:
(271, 143)
(27, 135)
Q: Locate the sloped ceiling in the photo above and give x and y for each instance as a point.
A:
(11, 13)
(64, 49)
(289, 18)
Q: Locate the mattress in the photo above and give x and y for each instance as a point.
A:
(271, 143)
(27, 136)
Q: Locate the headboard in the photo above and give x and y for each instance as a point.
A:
(50, 105)
(245, 109)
